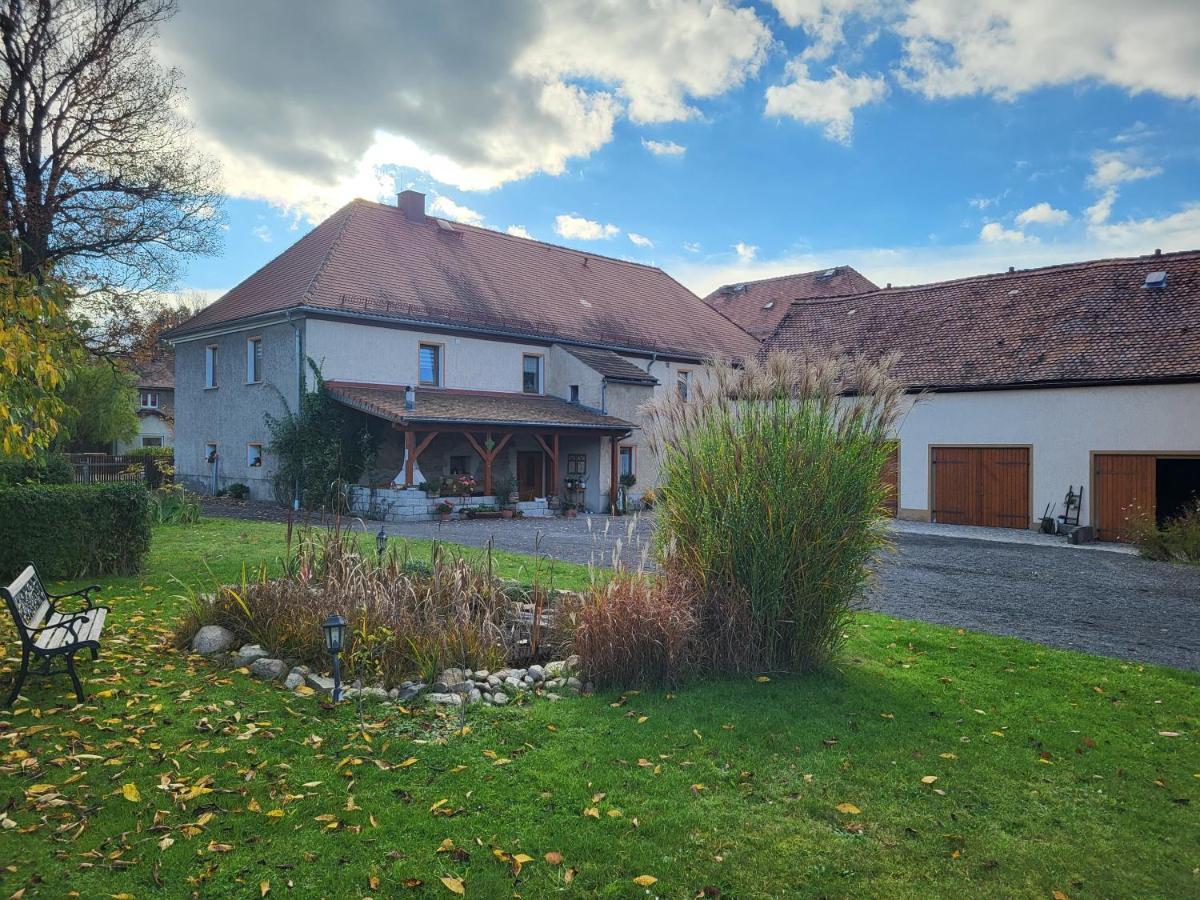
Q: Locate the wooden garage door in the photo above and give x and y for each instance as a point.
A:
(891, 480)
(1124, 486)
(981, 486)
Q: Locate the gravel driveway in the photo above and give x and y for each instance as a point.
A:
(1109, 603)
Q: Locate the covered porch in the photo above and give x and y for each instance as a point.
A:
(551, 448)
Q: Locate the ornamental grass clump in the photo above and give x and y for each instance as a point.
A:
(769, 510)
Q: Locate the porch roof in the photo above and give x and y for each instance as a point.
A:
(493, 409)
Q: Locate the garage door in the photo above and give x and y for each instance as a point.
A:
(981, 486)
(891, 481)
(1124, 485)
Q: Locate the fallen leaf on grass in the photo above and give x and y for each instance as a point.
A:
(592, 811)
(554, 858)
(645, 880)
(411, 761)
(130, 793)
(762, 679)
(264, 888)
(454, 885)
(929, 779)
(849, 809)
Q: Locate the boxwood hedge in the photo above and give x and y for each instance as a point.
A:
(73, 530)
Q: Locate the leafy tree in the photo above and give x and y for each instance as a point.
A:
(99, 178)
(100, 399)
(37, 351)
(318, 448)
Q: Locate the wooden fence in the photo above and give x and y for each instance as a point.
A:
(93, 468)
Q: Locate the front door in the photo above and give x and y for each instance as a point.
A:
(529, 474)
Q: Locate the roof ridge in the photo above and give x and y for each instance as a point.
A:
(782, 277)
(528, 240)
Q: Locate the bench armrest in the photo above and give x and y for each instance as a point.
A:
(85, 593)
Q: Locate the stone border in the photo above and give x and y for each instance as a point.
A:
(454, 687)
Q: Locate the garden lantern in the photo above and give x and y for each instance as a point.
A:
(381, 541)
(335, 639)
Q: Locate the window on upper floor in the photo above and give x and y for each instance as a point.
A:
(254, 360)
(531, 373)
(210, 366)
(429, 365)
(683, 383)
(254, 456)
(149, 399)
(574, 393)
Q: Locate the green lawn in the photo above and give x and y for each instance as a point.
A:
(1055, 771)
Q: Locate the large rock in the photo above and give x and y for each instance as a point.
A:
(213, 639)
(444, 699)
(319, 682)
(409, 690)
(248, 654)
(293, 681)
(535, 673)
(366, 693)
(454, 676)
(268, 669)
(499, 698)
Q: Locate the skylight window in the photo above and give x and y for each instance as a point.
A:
(770, 305)
(1156, 281)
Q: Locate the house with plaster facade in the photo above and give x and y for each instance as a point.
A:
(462, 350)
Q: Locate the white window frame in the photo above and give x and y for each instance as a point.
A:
(254, 460)
(439, 351)
(632, 448)
(541, 372)
(210, 366)
(149, 399)
(683, 384)
(151, 438)
(254, 360)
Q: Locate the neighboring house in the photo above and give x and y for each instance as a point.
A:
(155, 403)
(527, 359)
(759, 306)
(1074, 376)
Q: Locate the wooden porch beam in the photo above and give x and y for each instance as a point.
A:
(410, 456)
(424, 445)
(554, 483)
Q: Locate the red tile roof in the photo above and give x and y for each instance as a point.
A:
(1090, 322)
(611, 366)
(453, 407)
(373, 259)
(759, 306)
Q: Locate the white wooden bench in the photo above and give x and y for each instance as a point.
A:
(46, 631)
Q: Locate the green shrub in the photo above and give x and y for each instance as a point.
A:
(73, 530)
(172, 505)
(1176, 540)
(769, 508)
(154, 452)
(45, 468)
(238, 491)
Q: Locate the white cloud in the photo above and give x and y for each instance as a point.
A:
(1110, 167)
(1043, 214)
(830, 103)
(691, 246)
(519, 231)
(445, 206)
(1099, 212)
(664, 148)
(1005, 48)
(263, 233)
(506, 90)
(580, 229)
(824, 21)
(1174, 231)
(640, 240)
(995, 233)
(745, 252)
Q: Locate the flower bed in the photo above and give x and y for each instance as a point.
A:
(446, 628)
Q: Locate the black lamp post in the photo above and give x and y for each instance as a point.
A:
(381, 542)
(335, 639)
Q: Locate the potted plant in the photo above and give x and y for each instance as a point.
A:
(570, 508)
(506, 493)
(464, 485)
(432, 487)
(443, 511)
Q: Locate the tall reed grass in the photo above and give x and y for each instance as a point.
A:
(769, 506)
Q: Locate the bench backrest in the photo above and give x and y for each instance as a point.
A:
(27, 601)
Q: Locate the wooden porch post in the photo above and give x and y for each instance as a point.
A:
(614, 460)
(488, 456)
(555, 486)
(487, 465)
(410, 455)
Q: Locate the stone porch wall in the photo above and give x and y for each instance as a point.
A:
(396, 505)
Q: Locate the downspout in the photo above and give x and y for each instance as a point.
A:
(299, 389)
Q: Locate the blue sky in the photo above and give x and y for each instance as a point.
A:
(721, 141)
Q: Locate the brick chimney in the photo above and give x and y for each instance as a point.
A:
(412, 204)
